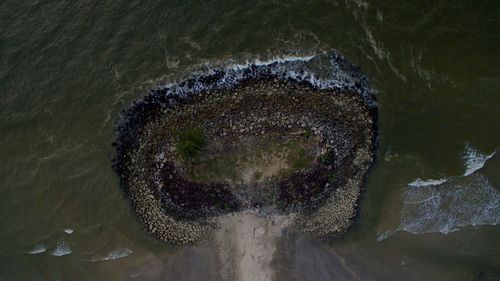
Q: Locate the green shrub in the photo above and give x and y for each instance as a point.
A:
(189, 144)
(307, 133)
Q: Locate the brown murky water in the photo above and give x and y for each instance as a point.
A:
(68, 68)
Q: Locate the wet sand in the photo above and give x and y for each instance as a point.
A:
(249, 246)
(189, 263)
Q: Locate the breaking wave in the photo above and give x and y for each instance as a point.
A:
(474, 160)
(445, 205)
(62, 249)
(116, 254)
(329, 70)
(419, 182)
(38, 249)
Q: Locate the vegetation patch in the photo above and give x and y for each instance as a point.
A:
(190, 142)
(248, 163)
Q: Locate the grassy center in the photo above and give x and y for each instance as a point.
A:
(249, 162)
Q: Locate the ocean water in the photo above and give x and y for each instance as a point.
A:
(68, 68)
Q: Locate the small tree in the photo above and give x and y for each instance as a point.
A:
(190, 142)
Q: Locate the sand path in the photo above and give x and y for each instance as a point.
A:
(246, 244)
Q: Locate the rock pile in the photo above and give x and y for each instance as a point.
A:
(323, 197)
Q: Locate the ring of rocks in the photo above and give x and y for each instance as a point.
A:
(337, 124)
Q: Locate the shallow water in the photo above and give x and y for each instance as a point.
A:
(68, 68)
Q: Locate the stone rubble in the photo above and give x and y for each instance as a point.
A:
(323, 198)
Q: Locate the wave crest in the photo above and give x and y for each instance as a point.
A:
(450, 206)
(62, 249)
(474, 160)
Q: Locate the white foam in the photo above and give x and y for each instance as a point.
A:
(38, 249)
(462, 201)
(448, 204)
(258, 62)
(419, 182)
(324, 71)
(474, 160)
(69, 231)
(116, 254)
(62, 249)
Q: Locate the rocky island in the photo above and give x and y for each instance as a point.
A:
(250, 151)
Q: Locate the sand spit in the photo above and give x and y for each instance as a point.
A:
(246, 243)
